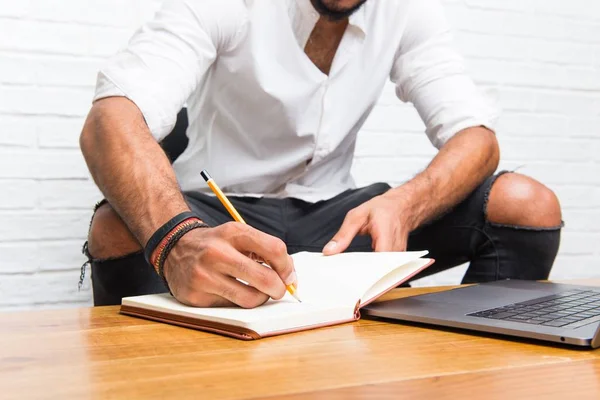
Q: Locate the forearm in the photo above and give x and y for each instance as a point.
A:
(461, 164)
(129, 167)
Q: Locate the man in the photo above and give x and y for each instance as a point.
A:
(276, 92)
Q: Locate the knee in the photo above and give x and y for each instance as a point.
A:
(518, 200)
(109, 236)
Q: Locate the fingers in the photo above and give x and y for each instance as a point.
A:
(227, 292)
(257, 275)
(353, 224)
(228, 289)
(382, 241)
(387, 237)
(265, 247)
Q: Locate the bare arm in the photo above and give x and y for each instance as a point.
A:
(129, 167)
(462, 164)
(137, 179)
(459, 167)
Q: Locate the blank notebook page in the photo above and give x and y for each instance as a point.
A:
(346, 277)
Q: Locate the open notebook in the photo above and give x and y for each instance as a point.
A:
(332, 289)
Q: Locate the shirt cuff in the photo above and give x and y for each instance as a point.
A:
(160, 126)
(439, 139)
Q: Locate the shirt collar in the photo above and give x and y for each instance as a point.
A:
(304, 17)
(358, 19)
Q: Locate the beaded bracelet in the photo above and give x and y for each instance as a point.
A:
(173, 238)
(163, 243)
(163, 231)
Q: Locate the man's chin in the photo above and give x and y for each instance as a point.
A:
(333, 13)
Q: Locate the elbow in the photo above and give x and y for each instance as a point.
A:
(87, 135)
(95, 127)
(493, 151)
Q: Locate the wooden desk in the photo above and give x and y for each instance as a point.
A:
(98, 354)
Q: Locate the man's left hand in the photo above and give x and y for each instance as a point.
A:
(386, 218)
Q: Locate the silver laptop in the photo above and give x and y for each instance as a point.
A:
(552, 312)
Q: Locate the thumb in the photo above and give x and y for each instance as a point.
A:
(341, 240)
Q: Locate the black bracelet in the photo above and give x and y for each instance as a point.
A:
(160, 234)
(160, 263)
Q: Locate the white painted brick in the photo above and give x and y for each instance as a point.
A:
(536, 74)
(582, 31)
(18, 258)
(388, 144)
(394, 118)
(580, 9)
(490, 72)
(12, 71)
(505, 5)
(49, 287)
(555, 149)
(15, 8)
(62, 256)
(69, 194)
(575, 243)
(75, 102)
(44, 225)
(58, 132)
(93, 12)
(505, 23)
(511, 99)
(492, 46)
(575, 267)
(578, 197)
(582, 220)
(18, 194)
(584, 127)
(17, 131)
(29, 257)
(532, 124)
(376, 169)
(566, 103)
(563, 173)
(49, 70)
(549, 75)
(61, 38)
(42, 164)
(562, 52)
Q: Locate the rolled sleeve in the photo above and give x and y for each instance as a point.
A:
(168, 58)
(430, 73)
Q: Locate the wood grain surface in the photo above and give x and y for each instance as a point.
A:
(96, 353)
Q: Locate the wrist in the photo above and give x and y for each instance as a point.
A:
(157, 253)
(412, 202)
(160, 256)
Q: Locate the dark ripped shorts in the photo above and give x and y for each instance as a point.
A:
(461, 235)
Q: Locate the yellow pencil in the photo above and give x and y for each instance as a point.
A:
(236, 216)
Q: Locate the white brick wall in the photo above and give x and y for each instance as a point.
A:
(539, 59)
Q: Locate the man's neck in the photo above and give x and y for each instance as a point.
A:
(324, 41)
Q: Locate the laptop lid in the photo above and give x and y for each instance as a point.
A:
(455, 308)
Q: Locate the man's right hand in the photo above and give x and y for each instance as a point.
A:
(205, 264)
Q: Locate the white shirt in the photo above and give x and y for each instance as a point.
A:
(264, 120)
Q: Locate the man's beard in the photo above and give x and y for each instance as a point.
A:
(334, 14)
